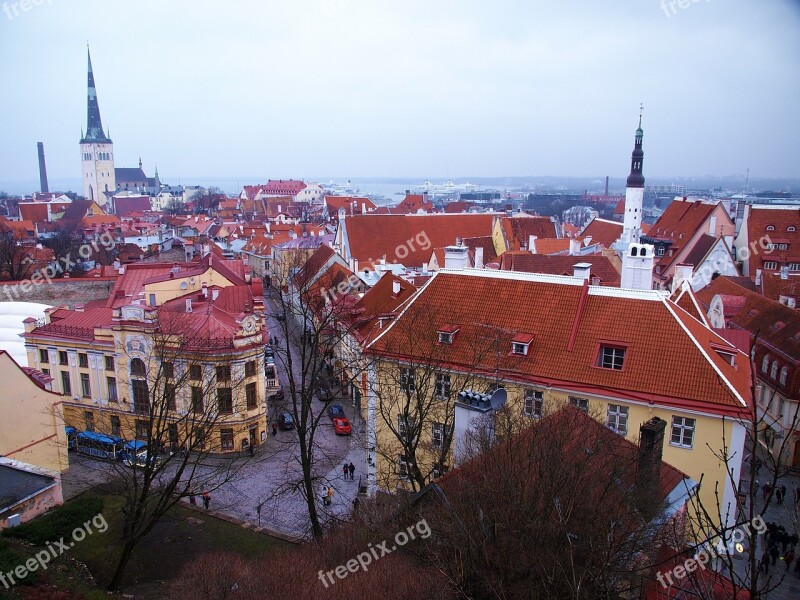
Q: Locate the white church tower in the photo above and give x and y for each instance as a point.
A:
(637, 259)
(97, 152)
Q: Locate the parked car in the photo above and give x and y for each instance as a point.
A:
(285, 421)
(342, 426)
(335, 411)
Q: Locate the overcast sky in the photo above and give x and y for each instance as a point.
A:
(434, 88)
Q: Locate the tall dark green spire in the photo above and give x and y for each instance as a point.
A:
(94, 125)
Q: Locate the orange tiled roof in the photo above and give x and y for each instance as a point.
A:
(602, 231)
(519, 229)
(670, 357)
(526, 262)
(372, 236)
(780, 220)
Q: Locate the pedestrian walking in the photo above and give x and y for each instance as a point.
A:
(325, 501)
(345, 470)
(779, 494)
(765, 490)
(206, 499)
(274, 428)
(192, 500)
(773, 552)
(764, 564)
(356, 502)
(789, 558)
(330, 495)
(251, 450)
(352, 468)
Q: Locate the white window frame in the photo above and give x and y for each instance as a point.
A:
(765, 364)
(581, 403)
(773, 370)
(445, 338)
(610, 354)
(794, 266)
(403, 427)
(684, 427)
(437, 435)
(441, 386)
(402, 469)
(770, 265)
(533, 403)
(617, 418)
(519, 349)
(408, 380)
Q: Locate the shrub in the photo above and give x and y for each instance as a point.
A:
(9, 560)
(59, 522)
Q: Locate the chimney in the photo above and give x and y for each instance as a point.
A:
(116, 264)
(478, 257)
(122, 270)
(395, 288)
(214, 294)
(532, 244)
(188, 305)
(204, 288)
(581, 270)
(574, 247)
(683, 272)
(606, 192)
(363, 208)
(355, 265)
(42, 169)
(648, 468)
(455, 257)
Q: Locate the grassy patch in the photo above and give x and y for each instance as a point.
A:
(181, 537)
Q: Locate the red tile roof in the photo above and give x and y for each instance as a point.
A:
(351, 205)
(669, 358)
(526, 262)
(371, 237)
(124, 206)
(413, 203)
(33, 211)
(602, 231)
(518, 230)
(774, 222)
(682, 218)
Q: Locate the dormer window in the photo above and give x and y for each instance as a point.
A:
(447, 333)
(611, 357)
(728, 357)
(520, 344)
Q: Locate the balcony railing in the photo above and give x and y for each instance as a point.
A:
(272, 383)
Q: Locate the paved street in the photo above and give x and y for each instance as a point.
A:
(272, 477)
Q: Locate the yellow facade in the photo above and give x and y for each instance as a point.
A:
(31, 425)
(711, 432)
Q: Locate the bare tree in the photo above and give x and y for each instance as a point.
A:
(553, 511)
(417, 386)
(176, 404)
(15, 256)
(312, 319)
(740, 529)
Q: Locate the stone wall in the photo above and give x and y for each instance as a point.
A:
(57, 292)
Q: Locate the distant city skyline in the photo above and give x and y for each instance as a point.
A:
(414, 90)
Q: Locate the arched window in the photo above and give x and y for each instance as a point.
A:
(770, 227)
(765, 364)
(791, 228)
(784, 373)
(634, 251)
(773, 372)
(644, 252)
(138, 368)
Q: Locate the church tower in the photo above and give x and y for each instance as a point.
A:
(634, 193)
(97, 151)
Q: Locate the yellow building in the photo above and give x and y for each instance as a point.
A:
(624, 356)
(188, 338)
(31, 426)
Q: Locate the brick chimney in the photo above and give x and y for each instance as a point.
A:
(648, 468)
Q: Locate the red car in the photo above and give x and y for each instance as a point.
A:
(341, 426)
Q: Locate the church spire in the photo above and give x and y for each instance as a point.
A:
(636, 178)
(94, 126)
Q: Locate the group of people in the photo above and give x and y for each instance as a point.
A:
(349, 471)
(779, 544)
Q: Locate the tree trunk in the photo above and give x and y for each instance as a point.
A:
(122, 564)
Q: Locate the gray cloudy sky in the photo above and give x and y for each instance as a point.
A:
(434, 88)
